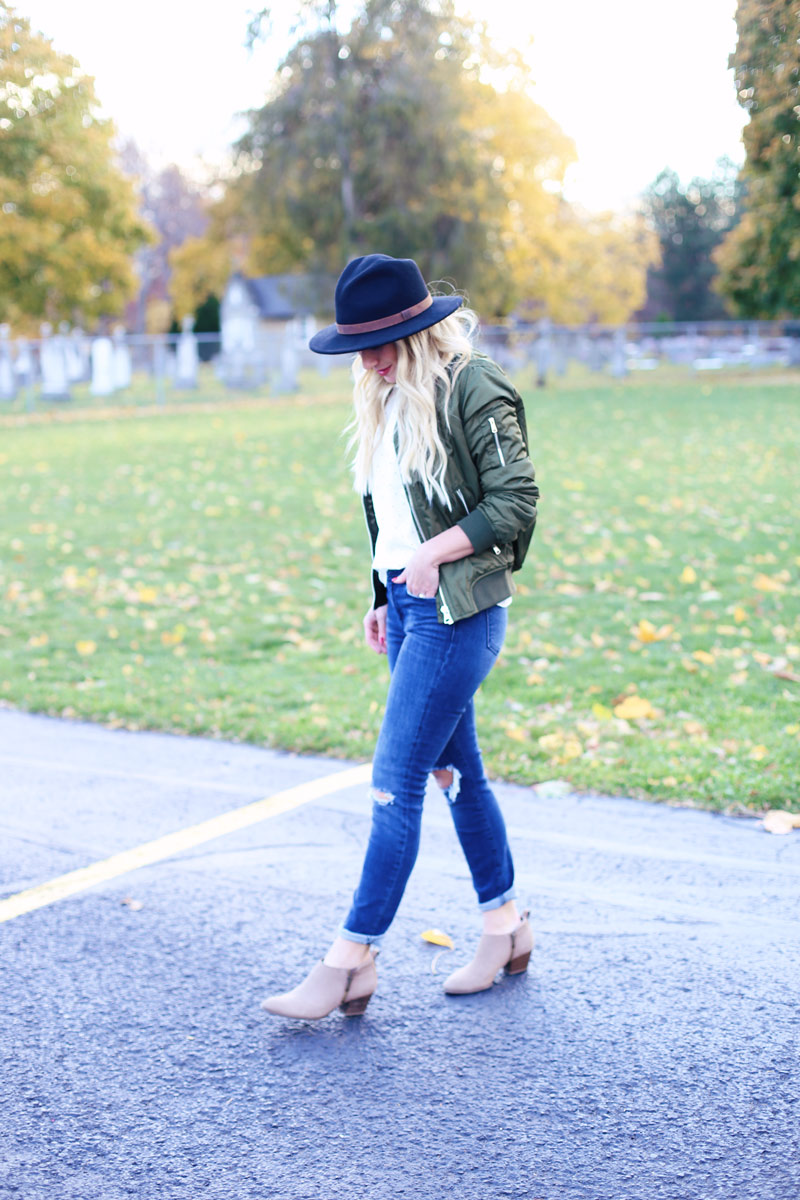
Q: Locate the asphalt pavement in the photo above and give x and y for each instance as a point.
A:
(650, 1053)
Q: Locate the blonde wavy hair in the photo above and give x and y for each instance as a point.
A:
(434, 356)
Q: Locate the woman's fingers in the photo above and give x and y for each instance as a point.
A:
(375, 629)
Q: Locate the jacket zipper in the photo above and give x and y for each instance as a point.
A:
(447, 616)
(493, 427)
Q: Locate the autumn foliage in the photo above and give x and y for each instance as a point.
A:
(410, 133)
(760, 259)
(68, 223)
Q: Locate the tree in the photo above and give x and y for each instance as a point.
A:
(591, 267)
(690, 222)
(391, 136)
(759, 261)
(176, 209)
(68, 224)
(200, 269)
(404, 130)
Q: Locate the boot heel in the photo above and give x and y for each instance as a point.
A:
(519, 964)
(354, 1008)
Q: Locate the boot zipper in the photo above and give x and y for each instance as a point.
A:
(493, 427)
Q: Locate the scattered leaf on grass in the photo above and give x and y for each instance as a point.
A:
(766, 583)
(634, 708)
(437, 938)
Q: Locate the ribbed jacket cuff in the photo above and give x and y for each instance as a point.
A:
(478, 530)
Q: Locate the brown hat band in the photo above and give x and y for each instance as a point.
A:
(386, 322)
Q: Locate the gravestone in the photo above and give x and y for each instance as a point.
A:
(77, 357)
(186, 357)
(24, 367)
(619, 363)
(123, 368)
(102, 367)
(53, 365)
(8, 383)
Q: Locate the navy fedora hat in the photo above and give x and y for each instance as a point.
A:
(380, 299)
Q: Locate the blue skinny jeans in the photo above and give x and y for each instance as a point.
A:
(429, 725)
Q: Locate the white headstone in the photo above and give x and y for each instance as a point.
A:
(8, 384)
(123, 368)
(186, 358)
(77, 357)
(102, 367)
(53, 360)
(24, 367)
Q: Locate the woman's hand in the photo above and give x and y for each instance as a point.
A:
(421, 576)
(375, 629)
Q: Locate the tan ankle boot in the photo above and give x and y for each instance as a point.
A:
(495, 951)
(325, 989)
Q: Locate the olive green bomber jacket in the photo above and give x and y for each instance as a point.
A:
(491, 485)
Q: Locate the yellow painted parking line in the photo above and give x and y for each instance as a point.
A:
(182, 839)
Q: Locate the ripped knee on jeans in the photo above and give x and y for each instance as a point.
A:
(380, 797)
(449, 780)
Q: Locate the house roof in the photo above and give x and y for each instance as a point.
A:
(281, 297)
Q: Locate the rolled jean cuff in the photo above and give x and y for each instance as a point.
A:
(363, 939)
(498, 902)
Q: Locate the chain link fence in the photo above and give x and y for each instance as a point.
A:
(69, 367)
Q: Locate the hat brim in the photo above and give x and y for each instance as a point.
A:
(330, 341)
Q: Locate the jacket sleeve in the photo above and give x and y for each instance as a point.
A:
(490, 412)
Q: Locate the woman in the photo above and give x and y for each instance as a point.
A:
(450, 500)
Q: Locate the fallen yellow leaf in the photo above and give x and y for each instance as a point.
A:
(572, 748)
(778, 820)
(688, 575)
(86, 648)
(758, 752)
(765, 583)
(550, 742)
(437, 938)
(703, 656)
(601, 712)
(634, 708)
(646, 631)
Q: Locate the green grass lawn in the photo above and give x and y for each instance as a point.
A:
(204, 570)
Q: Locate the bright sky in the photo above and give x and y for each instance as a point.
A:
(637, 85)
